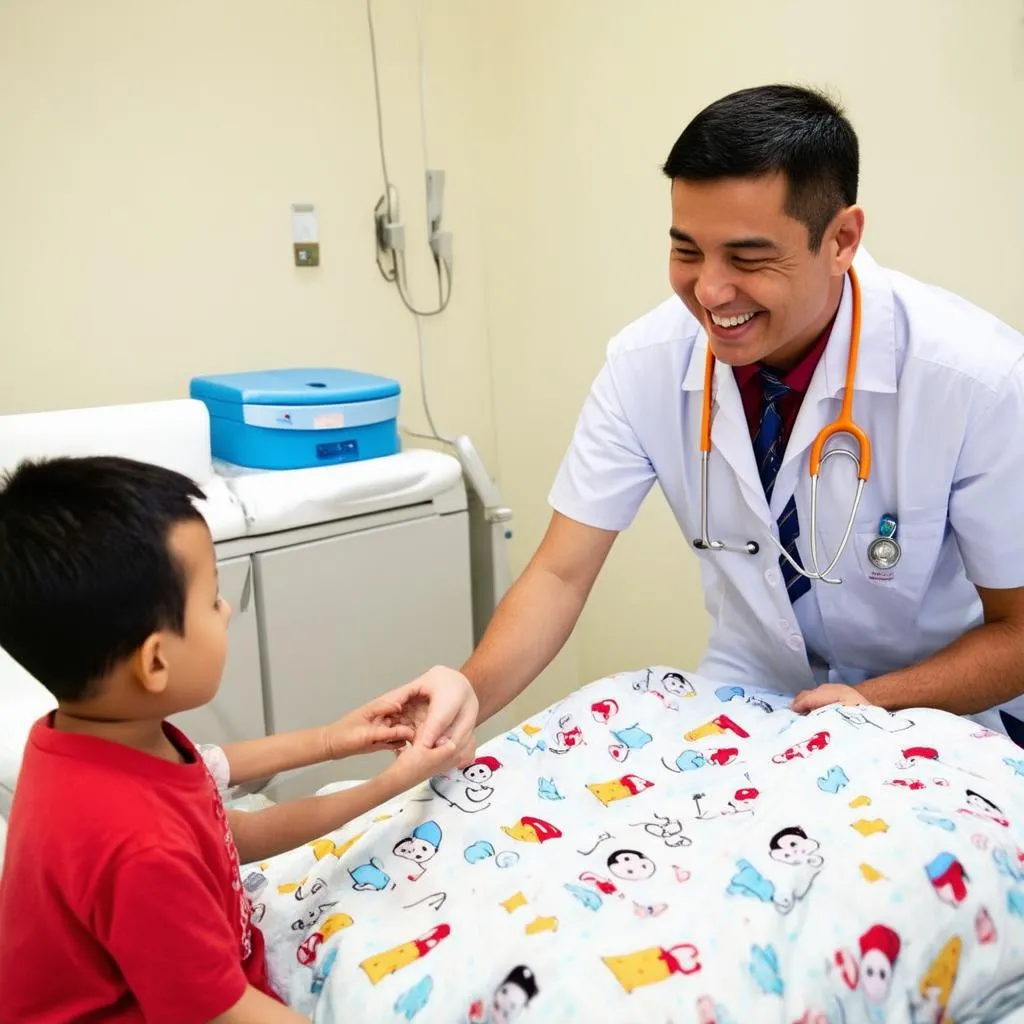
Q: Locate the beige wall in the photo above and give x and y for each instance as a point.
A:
(587, 97)
(149, 156)
(150, 151)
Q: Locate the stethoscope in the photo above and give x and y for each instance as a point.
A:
(884, 552)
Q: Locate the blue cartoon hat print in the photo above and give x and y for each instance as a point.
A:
(429, 832)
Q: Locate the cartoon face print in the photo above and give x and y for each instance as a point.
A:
(792, 846)
(310, 917)
(631, 865)
(305, 892)
(980, 803)
(879, 949)
(876, 975)
(513, 995)
(468, 790)
(421, 845)
(677, 685)
(481, 769)
(414, 849)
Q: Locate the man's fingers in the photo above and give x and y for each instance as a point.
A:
(463, 725)
(436, 726)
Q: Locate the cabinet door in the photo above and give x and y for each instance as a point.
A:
(347, 618)
(236, 713)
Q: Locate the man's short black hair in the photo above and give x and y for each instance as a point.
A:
(86, 574)
(771, 129)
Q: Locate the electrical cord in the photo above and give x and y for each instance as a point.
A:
(397, 273)
(380, 114)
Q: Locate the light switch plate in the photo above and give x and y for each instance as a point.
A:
(305, 235)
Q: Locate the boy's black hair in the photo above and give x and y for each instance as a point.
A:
(770, 129)
(86, 573)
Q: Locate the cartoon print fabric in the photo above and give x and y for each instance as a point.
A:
(658, 848)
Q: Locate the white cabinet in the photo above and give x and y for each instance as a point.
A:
(236, 713)
(349, 617)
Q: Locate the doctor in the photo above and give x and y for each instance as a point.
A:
(930, 611)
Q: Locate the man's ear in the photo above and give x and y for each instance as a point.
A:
(150, 664)
(845, 238)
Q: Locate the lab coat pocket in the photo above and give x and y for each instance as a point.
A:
(920, 544)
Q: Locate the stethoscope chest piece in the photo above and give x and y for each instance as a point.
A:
(884, 551)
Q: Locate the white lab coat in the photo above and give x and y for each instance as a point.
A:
(940, 393)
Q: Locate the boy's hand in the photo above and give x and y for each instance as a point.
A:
(378, 725)
(416, 763)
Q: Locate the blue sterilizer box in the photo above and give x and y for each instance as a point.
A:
(299, 417)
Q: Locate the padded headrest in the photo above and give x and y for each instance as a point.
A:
(174, 434)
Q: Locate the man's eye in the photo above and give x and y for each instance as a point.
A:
(687, 254)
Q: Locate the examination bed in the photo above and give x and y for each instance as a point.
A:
(657, 847)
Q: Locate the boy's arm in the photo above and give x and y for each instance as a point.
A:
(273, 830)
(256, 1008)
(262, 758)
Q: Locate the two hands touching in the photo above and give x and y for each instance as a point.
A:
(428, 723)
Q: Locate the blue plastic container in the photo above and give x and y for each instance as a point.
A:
(299, 417)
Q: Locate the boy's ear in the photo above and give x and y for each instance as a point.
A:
(150, 664)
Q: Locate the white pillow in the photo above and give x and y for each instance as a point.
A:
(22, 702)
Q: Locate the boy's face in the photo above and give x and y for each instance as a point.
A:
(196, 658)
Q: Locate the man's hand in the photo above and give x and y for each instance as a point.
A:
(827, 693)
(378, 725)
(440, 705)
(415, 764)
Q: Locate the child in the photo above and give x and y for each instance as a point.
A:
(120, 898)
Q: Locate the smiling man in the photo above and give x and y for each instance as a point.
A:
(771, 280)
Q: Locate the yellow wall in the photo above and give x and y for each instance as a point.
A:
(149, 154)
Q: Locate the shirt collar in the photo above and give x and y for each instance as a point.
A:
(798, 378)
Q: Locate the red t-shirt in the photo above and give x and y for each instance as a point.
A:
(120, 898)
(798, 380)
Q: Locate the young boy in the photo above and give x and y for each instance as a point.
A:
(120, 898)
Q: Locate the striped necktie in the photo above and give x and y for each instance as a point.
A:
(768, 450)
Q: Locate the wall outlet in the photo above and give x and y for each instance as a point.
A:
(307, 254)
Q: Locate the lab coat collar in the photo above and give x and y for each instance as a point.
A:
(876, 368)
(876, 360)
